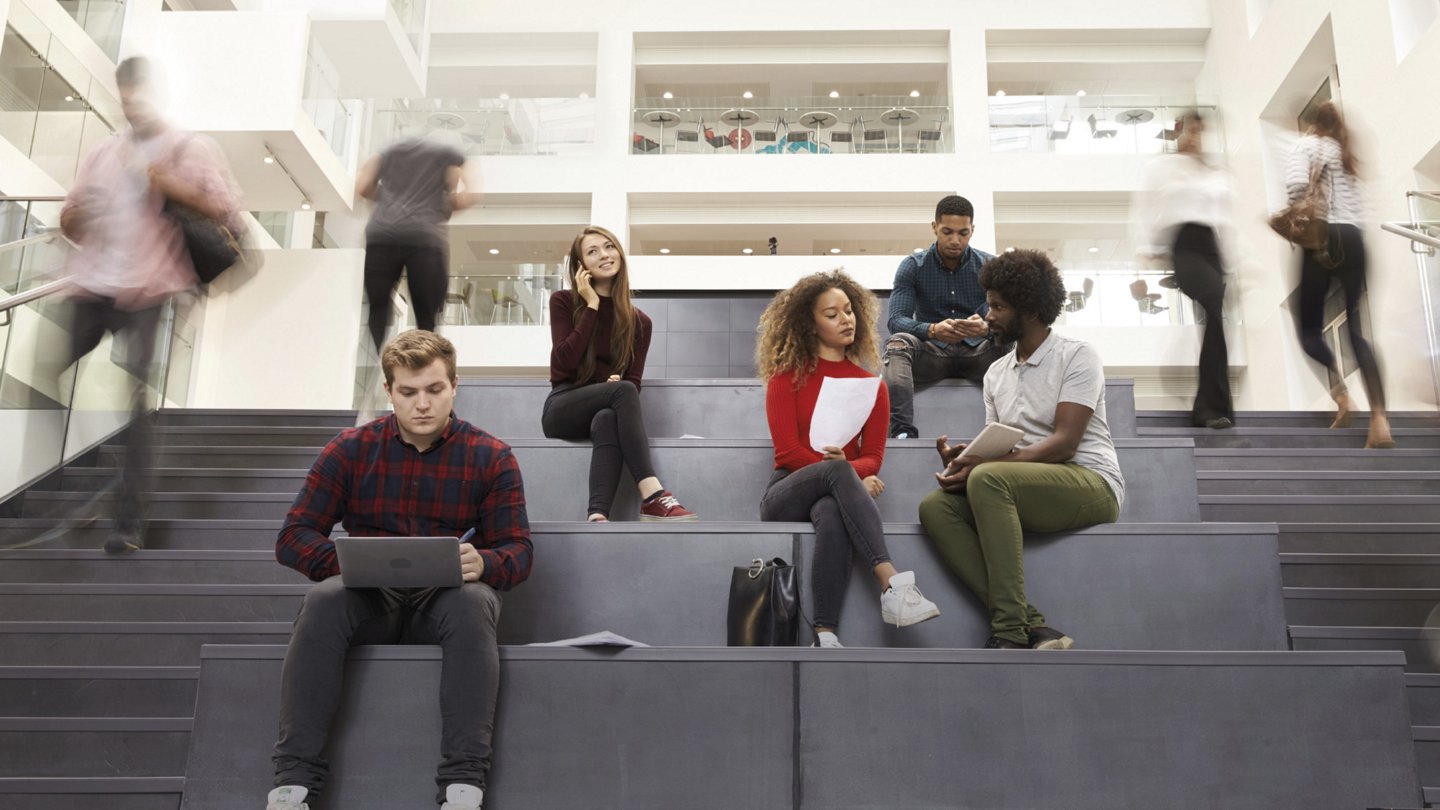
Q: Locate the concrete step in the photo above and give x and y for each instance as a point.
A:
(251, 417)
(1370, 538)
(719, 479)
(1427, 753)
(199, 479)
(1323, 482)
(1299, 458)
(735, 409)
(1421, 645)
(1306, 419)
(237, 436)
(126, 644)
(1360, 510)
(1361, 607)
(1360, 570)
(99, 793)
(784, 723)
(97, 691)
(1292, 437)
(160, 533)
(148, 566)
(686, 568)
(93, 746)
(1423, 690)
(213, 456)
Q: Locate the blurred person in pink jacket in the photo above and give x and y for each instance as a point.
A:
(132, 257)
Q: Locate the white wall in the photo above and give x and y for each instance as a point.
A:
(287, 338)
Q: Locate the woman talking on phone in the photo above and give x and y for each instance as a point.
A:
(823, 329)
(599, 340)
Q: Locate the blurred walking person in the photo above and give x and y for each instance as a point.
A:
(1183, 213)
(133, 257)
(1326, 151)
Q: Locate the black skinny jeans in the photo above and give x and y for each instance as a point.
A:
(1343, 262)
(1196, 258)
(428, 275)
(334, 618)
(830, 495)
(609, 415)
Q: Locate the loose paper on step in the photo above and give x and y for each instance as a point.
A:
(841, 410)
(604, 638)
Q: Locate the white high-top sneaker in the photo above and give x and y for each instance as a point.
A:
(463, 797)
(289, 797)
(902, 604)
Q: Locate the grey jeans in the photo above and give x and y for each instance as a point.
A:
(334, 618)
(829, 494)
(910, 361)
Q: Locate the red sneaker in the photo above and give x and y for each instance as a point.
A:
(665, 507)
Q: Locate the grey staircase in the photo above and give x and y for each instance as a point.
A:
(101, 657)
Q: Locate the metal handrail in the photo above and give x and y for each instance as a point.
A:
(1407, 230)
(34, 294)
(47, 234)
(9, 198)
(1433, 196)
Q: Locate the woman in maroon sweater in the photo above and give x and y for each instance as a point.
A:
(596, 363)
(824, 327)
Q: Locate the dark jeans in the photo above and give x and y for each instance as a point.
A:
(910, 361)
(428, 274)
(1342, 262)
(830, 495)
(1196, 258)
(334, 618)
(134, 335)
(609, 415)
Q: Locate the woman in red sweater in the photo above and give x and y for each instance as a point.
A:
(824, 327)
(596, 362)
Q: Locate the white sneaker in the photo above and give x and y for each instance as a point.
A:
(289, 797)
(902, 604)
(827, 640)
(463, 797)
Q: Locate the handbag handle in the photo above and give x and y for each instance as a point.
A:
(757, 566)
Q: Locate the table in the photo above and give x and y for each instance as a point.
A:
(899, 117)
(817, 121)
(662, 119)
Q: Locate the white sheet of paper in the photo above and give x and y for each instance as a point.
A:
(604, 638)
(841, 410)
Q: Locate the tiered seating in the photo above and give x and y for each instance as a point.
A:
(1184, 692)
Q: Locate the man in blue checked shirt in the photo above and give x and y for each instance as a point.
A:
(937, 316)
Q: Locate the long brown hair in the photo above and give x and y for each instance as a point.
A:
(788, 341)
(1329, 123)
(622, 333)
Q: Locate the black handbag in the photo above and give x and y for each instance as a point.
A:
(764, 606)
(212, 247)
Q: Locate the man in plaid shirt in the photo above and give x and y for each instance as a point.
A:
(420, 471)
(937, 316)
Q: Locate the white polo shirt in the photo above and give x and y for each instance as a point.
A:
(1024, 395)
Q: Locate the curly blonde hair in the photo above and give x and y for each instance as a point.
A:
(787, 328)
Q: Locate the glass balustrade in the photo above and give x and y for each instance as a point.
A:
(500, 294)
(791, 125)
(333, 116)
(1092, 125)
(101, 19)
(516, 126)
(1120, 294)
(49, 109)
(51, 411)
(412, 19)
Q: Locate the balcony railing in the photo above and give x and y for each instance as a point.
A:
(500, 294)
(783, 126)
(101, 19)
(1091, 125)
(335, 117)
(517, 126)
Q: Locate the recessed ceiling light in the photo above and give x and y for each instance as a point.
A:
(1094, 250)
(269, 158)
(918, 250)
(914, 94)
(748, 94)
(834, 250)
(504, 96)
(494, 251)
(1079, 92)
(69, 98)
(747, 251)
(834, 94)
(665, 250)
(305, 205)
(584, 94)
(1010, 249)
(668, 94)
(999, 93)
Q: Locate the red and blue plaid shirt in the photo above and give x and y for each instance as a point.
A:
(377, 485)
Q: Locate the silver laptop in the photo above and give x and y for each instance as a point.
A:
(399, 562)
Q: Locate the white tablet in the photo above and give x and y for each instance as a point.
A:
(994, 441)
